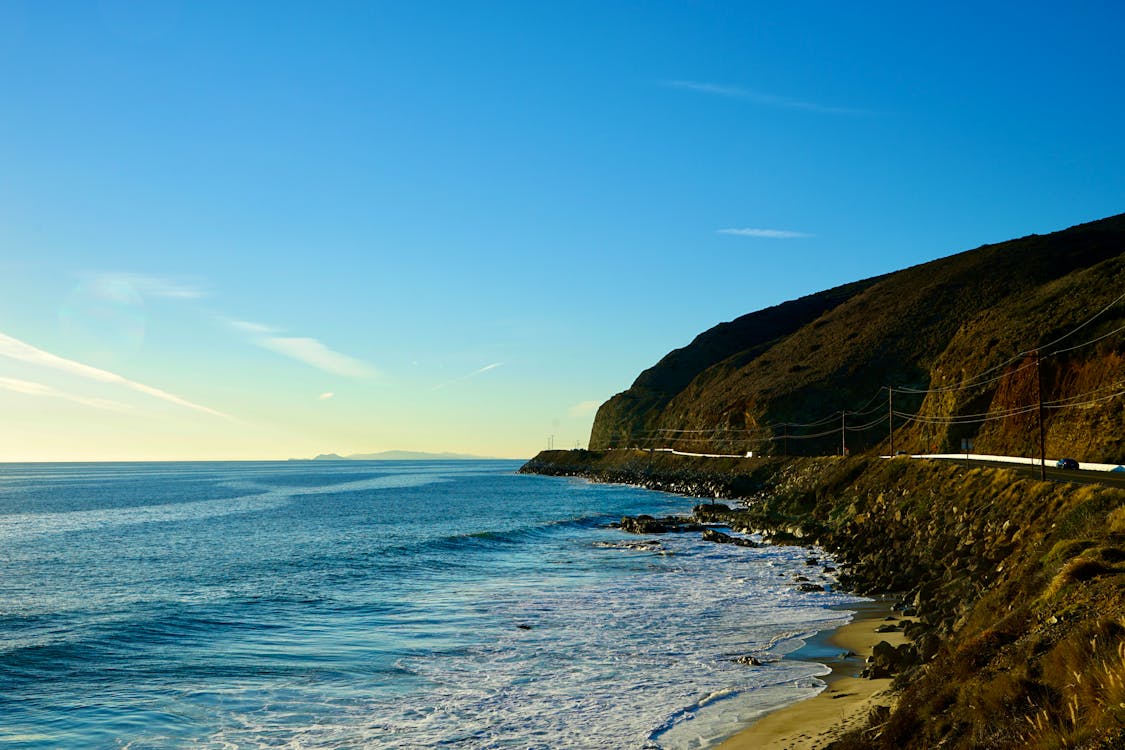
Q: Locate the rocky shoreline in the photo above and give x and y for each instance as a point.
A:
(1015, 585)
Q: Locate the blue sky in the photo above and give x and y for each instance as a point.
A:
(263, 230)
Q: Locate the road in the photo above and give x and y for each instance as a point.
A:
(1108, 478)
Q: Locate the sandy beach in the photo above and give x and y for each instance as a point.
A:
(844, 704)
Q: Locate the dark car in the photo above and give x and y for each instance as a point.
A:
(1067, 463)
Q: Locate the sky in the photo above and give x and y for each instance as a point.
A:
(264, 230)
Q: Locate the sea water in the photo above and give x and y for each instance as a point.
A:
(379, 605)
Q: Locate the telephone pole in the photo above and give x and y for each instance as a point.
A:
(1039, 398)
(891, 418)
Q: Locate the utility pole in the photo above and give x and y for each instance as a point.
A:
(891, 418)
(843, 434)
(1039, 397)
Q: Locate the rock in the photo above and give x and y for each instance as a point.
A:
(886, 660)
(810, 587)
(812, 561)
(645, 545)
(928, 646)
(750, 660)
(718, 537)
(887, 628)
(643, 524)
(710, 509)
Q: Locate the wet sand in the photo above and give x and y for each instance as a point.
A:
(844, 704)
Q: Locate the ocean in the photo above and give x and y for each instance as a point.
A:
(380, 605)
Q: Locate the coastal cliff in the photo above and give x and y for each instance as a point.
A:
(1016, 586)
(960, 348)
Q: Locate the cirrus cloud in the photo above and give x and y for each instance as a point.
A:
(774, 234)
(21, 351)
(150, 286)
(763, 99)
(31, 388)
(472, 374)
(304, 349)
(313, 353)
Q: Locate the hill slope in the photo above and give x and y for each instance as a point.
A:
(953, 338)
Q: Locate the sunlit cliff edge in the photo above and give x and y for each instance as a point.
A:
(948, 346)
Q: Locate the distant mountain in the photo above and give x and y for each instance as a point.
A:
(401, 456)
(955, 337)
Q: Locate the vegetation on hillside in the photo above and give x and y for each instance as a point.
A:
(969, 345)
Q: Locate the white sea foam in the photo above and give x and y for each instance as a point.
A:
(646, 661)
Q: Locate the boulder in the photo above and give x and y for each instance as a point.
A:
(886, 660)
(718, 537)
(648, 525)
(752, 661)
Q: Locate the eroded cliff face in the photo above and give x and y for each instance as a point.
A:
(933, 329)
(632, 414)
(1017, 585)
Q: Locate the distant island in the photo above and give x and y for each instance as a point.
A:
(398, 456)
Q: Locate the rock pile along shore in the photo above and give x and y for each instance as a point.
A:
(1012, 586)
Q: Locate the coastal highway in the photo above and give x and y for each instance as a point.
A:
(1077, 476)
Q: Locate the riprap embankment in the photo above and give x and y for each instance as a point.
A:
(1018, 585)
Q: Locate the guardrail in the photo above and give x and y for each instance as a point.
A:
(1014, 460)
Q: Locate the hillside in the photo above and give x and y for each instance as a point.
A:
(952, 338)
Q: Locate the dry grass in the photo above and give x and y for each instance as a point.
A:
(1116, 521)
(1090, 665)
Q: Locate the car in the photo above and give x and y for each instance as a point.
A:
(1067, 463)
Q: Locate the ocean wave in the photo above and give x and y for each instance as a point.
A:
(523, 533)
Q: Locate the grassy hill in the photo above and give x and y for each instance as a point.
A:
(952, 338)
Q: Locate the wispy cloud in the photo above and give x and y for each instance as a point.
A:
(316, 354)
(304, 349)
(775, 234)
(23, 352)
(582, 408)
(463, 378)
(31, 388)
(767, 100)
(150, 286)
(325, 396)
(257, 329)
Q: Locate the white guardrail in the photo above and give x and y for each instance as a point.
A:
(1014, 460)
(948, 457)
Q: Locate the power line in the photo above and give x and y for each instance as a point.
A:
(974, 381)
(980, 379)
